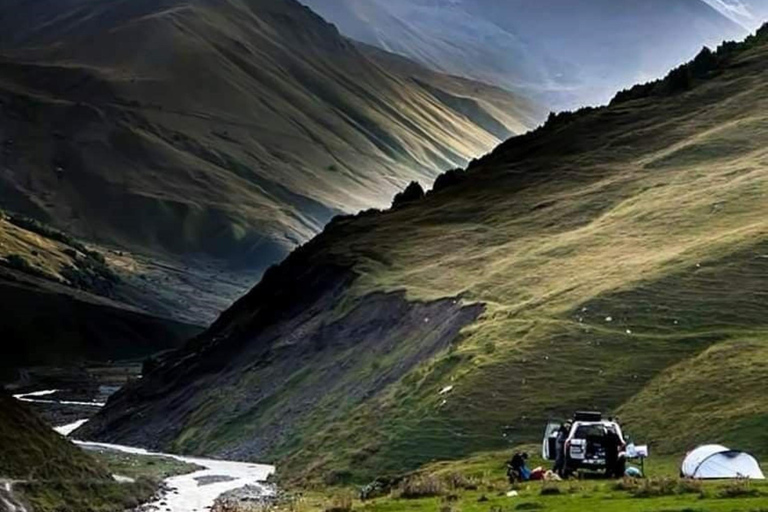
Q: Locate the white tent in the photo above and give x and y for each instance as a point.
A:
(714, 461)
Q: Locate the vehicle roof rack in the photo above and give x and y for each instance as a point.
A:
(588, 416)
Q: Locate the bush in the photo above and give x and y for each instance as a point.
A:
(550, 489)
(44, 231)
(379, 487)
(450, 179)
(20, 263)
(91, 274)
(340, 503)
(655, 487)
(738, 489)
(457, 481)
(338, 477)
(688, 486)
(421, 486)
(413, 192)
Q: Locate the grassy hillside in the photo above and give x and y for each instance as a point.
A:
(233, 129)
(619, 258)
(33, 451)
(64, 302)
(42, 471)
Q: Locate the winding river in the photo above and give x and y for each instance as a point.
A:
(193, 492)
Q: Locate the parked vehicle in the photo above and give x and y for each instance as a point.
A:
(592, 443)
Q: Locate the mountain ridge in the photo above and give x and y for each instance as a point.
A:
(566, 54)
(234, 129)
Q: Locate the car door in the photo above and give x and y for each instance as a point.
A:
(550, 437)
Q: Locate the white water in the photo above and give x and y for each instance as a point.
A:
(65, 430)
(31, 397)
(190, 496)
(36, 393)
(186, 493)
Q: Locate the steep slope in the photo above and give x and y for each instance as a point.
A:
(31, 450)
(234, 129)
(569, 53)
(591, 263)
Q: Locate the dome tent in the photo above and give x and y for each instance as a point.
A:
(714, 461)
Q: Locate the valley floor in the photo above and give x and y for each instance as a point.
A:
(478, 485)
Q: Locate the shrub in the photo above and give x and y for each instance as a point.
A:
(91, 274)
(688, 486)
(627, 484)
(450, 179)
(421, 486)
(738, 489)
(20, 263)
(340, 503)
(379, 487)
(653, 487)
(44, 231)
(337, 477)
(550, 489)
(456, 481)
(413, 192)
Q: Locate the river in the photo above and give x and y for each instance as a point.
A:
(193, 492)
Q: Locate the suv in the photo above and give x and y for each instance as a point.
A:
(585, 444)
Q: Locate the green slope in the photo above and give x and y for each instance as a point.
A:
(31, 450)
(42, 471)
(613, 251)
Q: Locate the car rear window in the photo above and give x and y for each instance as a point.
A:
(586, 431)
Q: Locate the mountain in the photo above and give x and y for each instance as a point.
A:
(615, 258)
(231, 129)
(64, 302)
(566, 53)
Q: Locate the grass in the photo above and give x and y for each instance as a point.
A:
(54, 475)
(32, 451)
(662, 490)
(104, 495)
(142, 466)
(39, 250)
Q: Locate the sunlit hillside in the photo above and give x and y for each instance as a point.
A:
(231, 129)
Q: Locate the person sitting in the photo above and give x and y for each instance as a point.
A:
(517, 471)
